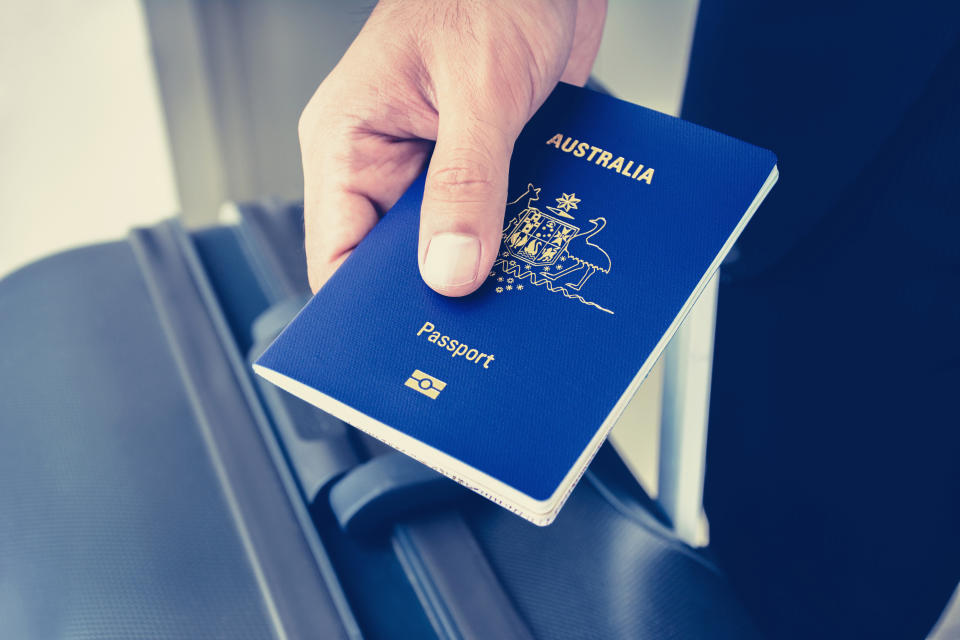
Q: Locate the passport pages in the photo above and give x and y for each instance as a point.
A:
(616, 218)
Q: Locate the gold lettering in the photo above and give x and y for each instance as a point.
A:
(456, 348)
(598, 156)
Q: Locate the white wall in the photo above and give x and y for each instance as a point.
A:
(643, 59)
(83, 152)
(646, 50)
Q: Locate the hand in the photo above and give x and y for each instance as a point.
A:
(466, 74)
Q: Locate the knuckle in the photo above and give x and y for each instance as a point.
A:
(302, 123)
(305, 123)
(461, 181)
(314, 113)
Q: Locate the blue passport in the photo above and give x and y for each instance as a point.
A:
(616, 218)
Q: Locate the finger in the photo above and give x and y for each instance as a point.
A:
(461, 217)
(335, 221)
(588, 31)
(346, 192)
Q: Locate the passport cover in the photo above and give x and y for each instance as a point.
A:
(617, 216)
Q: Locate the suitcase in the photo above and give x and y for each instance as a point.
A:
(153, 487)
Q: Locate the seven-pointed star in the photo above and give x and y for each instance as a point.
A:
(568, 201)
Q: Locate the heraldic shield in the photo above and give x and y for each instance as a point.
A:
(538, 238)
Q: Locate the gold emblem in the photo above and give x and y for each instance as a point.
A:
(425, 383)
(538, 238)
(548, 248)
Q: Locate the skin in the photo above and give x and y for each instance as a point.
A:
(455, 78)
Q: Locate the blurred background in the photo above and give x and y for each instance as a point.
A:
(119, 113)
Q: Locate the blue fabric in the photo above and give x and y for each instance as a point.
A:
(833, 488)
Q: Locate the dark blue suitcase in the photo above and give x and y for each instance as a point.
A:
(151, 487)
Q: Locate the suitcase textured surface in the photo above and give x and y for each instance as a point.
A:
(153, 488)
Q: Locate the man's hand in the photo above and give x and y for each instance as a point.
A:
(465, 74)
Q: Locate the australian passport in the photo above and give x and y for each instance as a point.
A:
(616, 218)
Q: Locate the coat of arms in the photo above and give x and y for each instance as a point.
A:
(550, 249)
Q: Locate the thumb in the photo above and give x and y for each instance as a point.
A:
(461, 219)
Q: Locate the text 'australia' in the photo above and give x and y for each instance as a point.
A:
(602, 158)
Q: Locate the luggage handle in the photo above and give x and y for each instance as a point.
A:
(297, 579)
(457, 587)
(382, 491)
